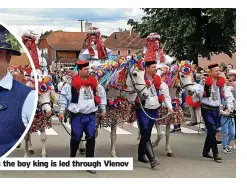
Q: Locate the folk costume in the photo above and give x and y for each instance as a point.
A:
(16, 103)
(158, 95)
(81, 99)
(211, 95)
(95, 50)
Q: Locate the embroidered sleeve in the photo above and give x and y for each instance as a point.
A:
(65, 97)
(165, 91)
(229, 98)
(199, 89)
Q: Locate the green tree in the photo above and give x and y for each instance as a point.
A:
(104, 36)
(189, 33)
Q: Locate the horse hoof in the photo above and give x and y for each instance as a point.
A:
(113, 155)
(170, 154)
(82, 151)
(31, 152)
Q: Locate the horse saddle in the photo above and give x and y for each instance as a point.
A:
(2, 106)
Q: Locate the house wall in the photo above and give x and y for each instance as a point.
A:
(66, 54)
(123, 51)
(220, 58)
(43, 44)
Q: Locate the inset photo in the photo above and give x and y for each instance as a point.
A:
(18, 97)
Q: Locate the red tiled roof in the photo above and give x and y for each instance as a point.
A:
(71, 41)
(125, 40)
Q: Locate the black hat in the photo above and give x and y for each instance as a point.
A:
(4, 44)
(212, 66)
(149, 63)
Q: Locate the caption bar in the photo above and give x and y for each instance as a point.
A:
(95, 163)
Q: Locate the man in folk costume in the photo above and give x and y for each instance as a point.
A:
(96, 49)
(158, 95)
(81, 98)
(16, 100)
(211, 95)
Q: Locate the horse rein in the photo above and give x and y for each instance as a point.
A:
(138, 94)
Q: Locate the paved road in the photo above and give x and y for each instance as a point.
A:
(187, 163)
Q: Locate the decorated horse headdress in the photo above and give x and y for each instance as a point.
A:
(102, 53)
(119, 75)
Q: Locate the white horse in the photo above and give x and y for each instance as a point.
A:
(134, 79)
(182, 80)
(42, 117)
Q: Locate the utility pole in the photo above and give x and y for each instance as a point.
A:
(81, 25)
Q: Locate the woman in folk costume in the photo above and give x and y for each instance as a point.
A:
(211, 95)
(82, 99)
(96, 49)
(158, 94)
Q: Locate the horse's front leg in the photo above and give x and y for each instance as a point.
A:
(113, 139)
(168, 149)
(26, 138)
(43, 137)
(30, 146)
(159, 135)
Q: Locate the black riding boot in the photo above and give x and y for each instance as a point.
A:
(141, 152)
(74, 144)
(90, 146)
(150, 154)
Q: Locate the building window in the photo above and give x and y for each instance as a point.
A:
(118, 52)
(128, 51)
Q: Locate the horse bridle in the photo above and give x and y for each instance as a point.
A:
(181, 84)
(134, 84)
(138, 95)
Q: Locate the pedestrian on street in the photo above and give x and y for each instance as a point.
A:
(232, 80)
(82, 99)
(17, 101)
(211, 96)
(227, 123)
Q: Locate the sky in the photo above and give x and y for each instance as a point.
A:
(41, 20)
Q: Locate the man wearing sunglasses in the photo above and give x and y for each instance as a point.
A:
(16, 99)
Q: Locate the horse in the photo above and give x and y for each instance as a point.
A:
(42, 118)
(178, 76)
(120, 84)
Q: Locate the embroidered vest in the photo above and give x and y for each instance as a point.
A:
(11, 124)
